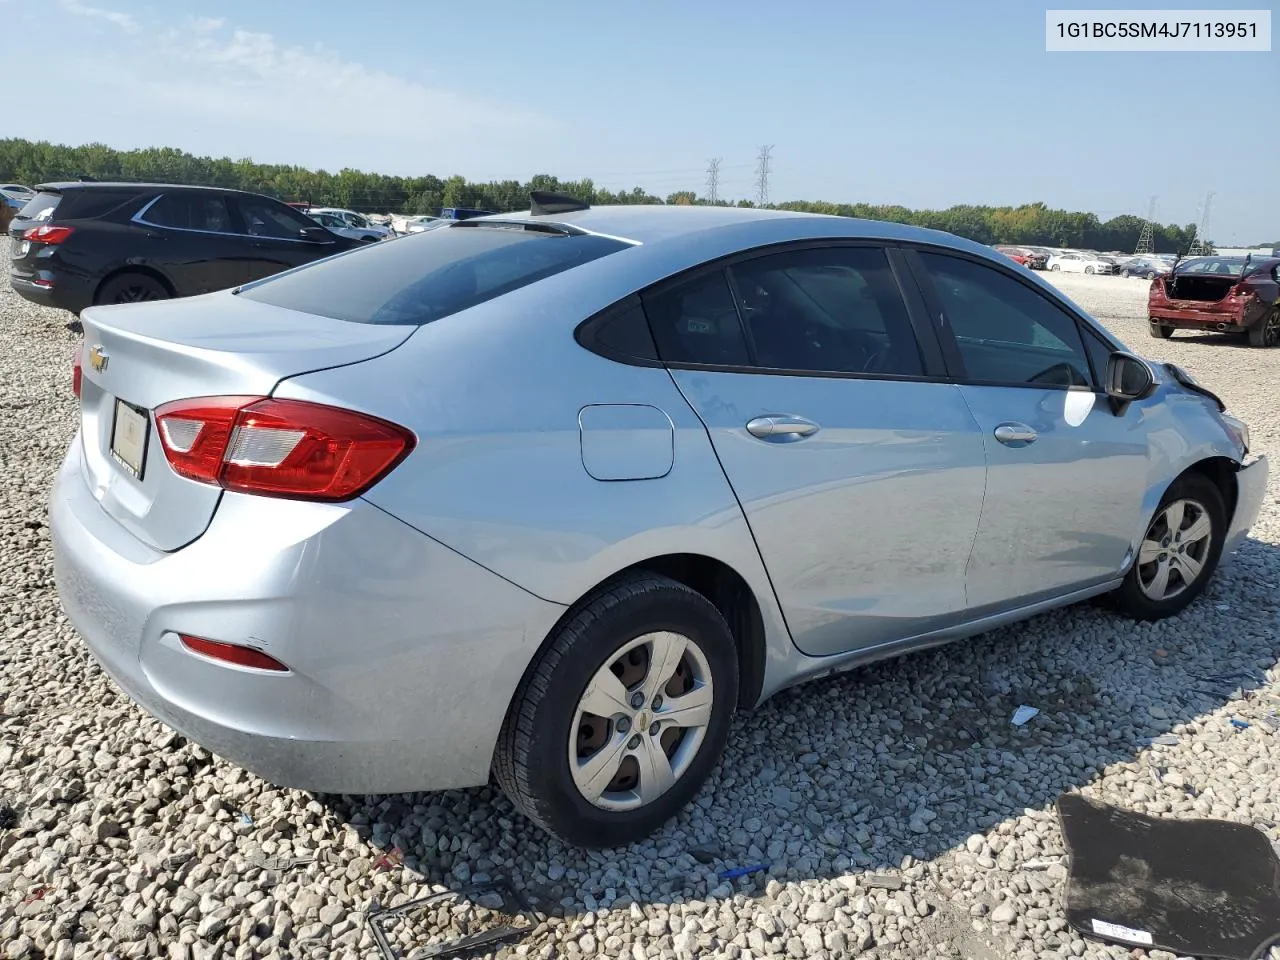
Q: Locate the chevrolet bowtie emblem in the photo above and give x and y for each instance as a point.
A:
(98, 358)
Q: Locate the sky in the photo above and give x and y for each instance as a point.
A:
(924, 104)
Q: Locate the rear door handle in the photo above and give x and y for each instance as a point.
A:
(1015, 434)
(781, 427)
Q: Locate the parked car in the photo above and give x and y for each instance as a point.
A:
(422, 224)
(343, 228)
(1025, 256)
(13, 197)
(463, 213)
(1238, 295)
(354, 221)
(1079, 262)
(79, 244)
(1147, 266)
(325, 543)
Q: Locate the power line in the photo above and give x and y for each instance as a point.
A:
(762, 175)
(713, 181)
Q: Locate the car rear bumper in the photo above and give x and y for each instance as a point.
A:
(1251, 490)
(403, 655)
(1195, 317)
(53, 292)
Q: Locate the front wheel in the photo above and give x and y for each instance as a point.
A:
(1179, 552)
(623, 716)
(1266, 333)
(1055, 267)
(1125, 274)
(1088, 270)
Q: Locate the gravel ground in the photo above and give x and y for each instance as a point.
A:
(901, 813)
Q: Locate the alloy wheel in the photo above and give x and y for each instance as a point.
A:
(1174, 551)
(138, 294)
(641, 721)
(1271, 332)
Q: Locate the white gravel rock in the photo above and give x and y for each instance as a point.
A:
(901, 813)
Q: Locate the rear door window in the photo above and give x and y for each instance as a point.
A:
(264, 218)
(427, 276)
(41, 206)
(191, 211)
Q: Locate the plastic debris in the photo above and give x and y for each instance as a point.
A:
(1041, 864)
(36, 894)
(1164, 740)
(1023, 714)
(388, 860)
(277, 864)
(246, 819)
(518, 918)
(1272, 720)
(1240, 724)
(735, 872)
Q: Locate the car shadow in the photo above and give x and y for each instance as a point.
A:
(1237, 340)
(929, 758)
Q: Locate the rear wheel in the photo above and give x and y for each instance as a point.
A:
(1125, 273)
(623, 716)
(1151, 274)
(1179, 552)
(1088, 269)
(1055, 267)
(1266, 333)
(1159, 330)
(132, 288)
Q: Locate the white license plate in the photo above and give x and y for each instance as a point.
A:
(20, 248)
(129, 437)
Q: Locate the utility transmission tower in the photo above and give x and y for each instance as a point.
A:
(713, 181)
(762, 175)
(1147, 241)
(1201, 246)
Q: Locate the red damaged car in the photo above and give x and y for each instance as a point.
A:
(1219, 294)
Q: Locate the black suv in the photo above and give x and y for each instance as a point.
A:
(83, 243)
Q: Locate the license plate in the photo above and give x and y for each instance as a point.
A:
(129, 432)
(20, 248)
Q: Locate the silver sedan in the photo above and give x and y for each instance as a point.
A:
(555, 494)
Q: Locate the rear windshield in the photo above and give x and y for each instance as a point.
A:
(41, 206)
(426, 276)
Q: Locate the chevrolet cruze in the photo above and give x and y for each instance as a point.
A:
(552, 495)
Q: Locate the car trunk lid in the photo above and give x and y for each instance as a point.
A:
(136, 357)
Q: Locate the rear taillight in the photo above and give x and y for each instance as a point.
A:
(1241, 290)
(48, 233)
(279, 448)
(232, 653)
(77, 372)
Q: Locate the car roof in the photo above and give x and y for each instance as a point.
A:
(62, 186)
(653, 223)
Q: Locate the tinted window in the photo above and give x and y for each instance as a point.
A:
(696, 322)
(190, 211)
(426, 276)
(624, 331)
(41, 206)
(1006, 332)
(829, 310)
(1099, 353)
(263, 218)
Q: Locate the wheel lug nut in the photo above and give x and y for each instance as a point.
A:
(657, 703)
(637, 700)
(635, 743)
(653, 729)
(623, 724)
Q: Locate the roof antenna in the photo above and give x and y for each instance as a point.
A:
(546, 202)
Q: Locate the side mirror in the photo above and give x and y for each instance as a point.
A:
(1128, 378)
(316, 234)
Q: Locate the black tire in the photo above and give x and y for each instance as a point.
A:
(1125, 273)
(1159, 330)
(132, 288)
(1266, 333)
(1055, 267)
(1130, 598)
(531, 761)
(1151, 274)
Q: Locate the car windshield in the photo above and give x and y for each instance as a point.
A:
(429, 275)
(1214, 267)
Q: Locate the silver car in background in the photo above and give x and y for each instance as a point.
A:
(555, 494)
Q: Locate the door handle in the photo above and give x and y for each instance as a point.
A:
(781, 427)
(1015, 434)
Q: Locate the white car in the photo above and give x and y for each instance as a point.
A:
(352, 225)
(422, 224)
(1072, 261)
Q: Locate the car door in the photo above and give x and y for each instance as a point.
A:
(860, 471)
(1066, 474)
(275, 239)
(190, 236)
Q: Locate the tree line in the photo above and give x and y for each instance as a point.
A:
(29, 162)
